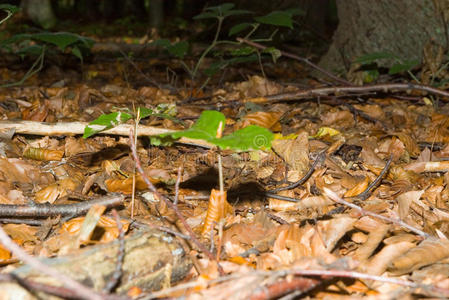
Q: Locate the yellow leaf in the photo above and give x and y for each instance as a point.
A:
(323, 131)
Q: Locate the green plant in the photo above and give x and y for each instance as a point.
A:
(369, 64)
(240, 54)
(108, 121)
(37, 44)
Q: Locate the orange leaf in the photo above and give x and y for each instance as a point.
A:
(358, 188)
(218, 209)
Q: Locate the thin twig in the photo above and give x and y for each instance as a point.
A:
(118, 271)
(326, 91)
(367, 192)
(334, 197)
(153, 189)
(320, 158)
(50, 210)
(178, 181)
(79, 289)
(296, 57)
(280, 197)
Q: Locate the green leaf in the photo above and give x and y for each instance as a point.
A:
(373, 57)
(33, 50)
(160, 43)
(220, 65)
(77, 52)
(9, 8)
(249, 138)
(179, 49)
(145, 112)
(275, 53)
(406, 66)
(238, 28)
(206, 15)
(243, 51)
(236, 12)
(105, 122)
(62, 39)
(277, 18)
(205, 127)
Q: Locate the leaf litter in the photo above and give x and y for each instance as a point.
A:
(324, 237)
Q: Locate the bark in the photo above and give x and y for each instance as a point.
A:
(402, 27)
(153, 260)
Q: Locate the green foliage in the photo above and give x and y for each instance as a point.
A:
(62, 40)
(105, 122)
(400, 65)
(221, 11)
(233, 55)
(210, 122)
(9, 9)
(108, 121)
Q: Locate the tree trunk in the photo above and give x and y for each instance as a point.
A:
(401, 27)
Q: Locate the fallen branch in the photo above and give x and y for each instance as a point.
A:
(74, 128)
(80, 290)
(327, 91)
(334, 197)
(50, 210)
(298, 58)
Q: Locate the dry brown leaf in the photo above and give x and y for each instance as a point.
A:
(404, 201)
(109, 232)
(294, 152)
(378, 264)
(21, 232)
(358, 188)
(431, 166)
(375, 237)
(257, 86)
(264, 119)
(428, 252)
(334, 229)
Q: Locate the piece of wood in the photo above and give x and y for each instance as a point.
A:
(153, 260)
(75, 128)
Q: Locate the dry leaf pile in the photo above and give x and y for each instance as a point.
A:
(369, 216)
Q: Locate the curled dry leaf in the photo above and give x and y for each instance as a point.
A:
(217, 209)
(73, 227)
(358, 188)
(426, 253)
(43, 154)
(56, 190)
(125, 186)
(375, 237)
(268, 120)
(378, 264)
(334, 229)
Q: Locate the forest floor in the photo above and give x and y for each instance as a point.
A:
(350, 201)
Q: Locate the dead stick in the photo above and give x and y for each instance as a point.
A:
(334, 197)
(326, 91)
(76, 128)
(49, 210)
(73, 285)
(299, 58)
